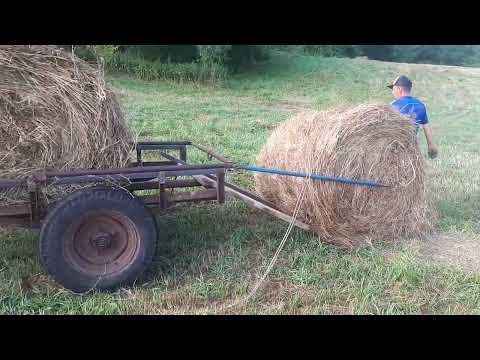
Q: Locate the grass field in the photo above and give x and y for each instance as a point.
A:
(212, 255)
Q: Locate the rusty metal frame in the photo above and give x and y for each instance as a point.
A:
(138, 176)
(143, 175)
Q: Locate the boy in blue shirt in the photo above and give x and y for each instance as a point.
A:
(413, 108)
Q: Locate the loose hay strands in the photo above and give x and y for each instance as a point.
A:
(369, 141)
(57, 112)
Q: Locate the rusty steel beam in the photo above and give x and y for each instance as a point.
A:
(160, 146)
(106, 178)
(193, 196)
(169, 184)
(152, 163)
(21, 221)
(197, 169)
(183, 143)
(15, 210)
(10, 184)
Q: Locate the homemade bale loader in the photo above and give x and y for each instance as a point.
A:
(103, 236)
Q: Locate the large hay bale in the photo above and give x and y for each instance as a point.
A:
(57, 112)
(367, 142)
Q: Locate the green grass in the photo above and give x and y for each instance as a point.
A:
(210, 255)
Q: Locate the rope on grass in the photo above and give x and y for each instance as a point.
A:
(277, 253)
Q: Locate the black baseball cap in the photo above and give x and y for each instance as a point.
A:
(401, 81)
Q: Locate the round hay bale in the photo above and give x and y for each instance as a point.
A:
(372, 142)
(57, 112)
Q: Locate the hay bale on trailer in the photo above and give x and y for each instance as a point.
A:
(57, 112)
(371, 142)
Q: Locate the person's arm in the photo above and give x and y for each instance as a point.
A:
(432, 149)
(425, 123)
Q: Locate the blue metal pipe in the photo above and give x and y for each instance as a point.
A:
(313, 176)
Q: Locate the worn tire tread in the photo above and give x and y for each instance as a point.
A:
(53, 225)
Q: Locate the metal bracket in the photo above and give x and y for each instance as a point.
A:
(162, 203)
(34, 183)
(221, 187)
(39, 178)
(183, 153)
(139, 157)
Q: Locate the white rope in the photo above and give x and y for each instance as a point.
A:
(275, 257)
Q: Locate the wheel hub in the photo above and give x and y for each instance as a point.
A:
(101, 241)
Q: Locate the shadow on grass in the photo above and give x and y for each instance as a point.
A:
(202, 240)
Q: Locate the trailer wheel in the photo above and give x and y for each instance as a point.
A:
(98, 239)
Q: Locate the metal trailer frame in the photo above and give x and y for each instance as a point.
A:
(108, 233)
(100, 232)
(141, 175)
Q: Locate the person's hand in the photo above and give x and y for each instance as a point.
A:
(432, 152)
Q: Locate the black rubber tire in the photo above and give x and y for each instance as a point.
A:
(59, 222)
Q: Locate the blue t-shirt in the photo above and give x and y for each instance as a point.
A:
(414, 108)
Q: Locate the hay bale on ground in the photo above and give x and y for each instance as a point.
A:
(371, 142)
(57, 112)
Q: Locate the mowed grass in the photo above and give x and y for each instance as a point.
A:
(210, 255)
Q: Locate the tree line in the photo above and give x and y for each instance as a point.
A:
(213, 63)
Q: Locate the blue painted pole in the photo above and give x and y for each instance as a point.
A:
(313, 176)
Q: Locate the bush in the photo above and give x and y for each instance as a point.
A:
(199, 63)
(196, 71)
(214, 53)
(163, 53)
(234, 57)
(93, 53)
(86, 53)
(242, 57)
(104, 52)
